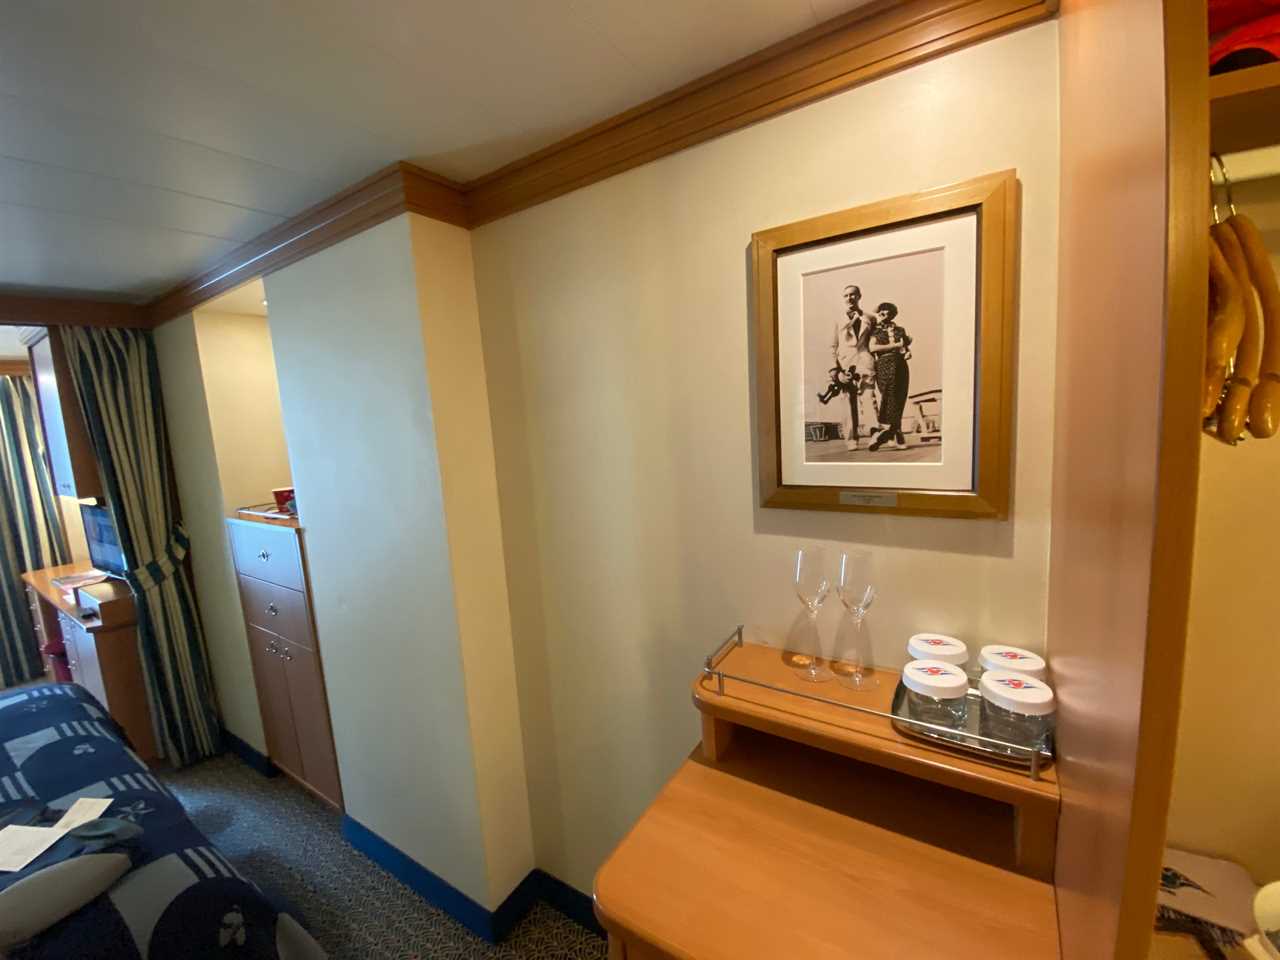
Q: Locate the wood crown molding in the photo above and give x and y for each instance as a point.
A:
(31, 311)
(391, 191)
(849, 50)
(14, 367)
(842, 53)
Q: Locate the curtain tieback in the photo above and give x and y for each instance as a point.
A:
(151, 575)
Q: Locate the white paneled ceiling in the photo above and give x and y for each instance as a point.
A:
(248, 299)
(141, 139)
(10, 345)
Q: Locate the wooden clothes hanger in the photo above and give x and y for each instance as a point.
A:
(1242, 367)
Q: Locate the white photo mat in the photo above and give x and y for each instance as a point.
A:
(957, 237)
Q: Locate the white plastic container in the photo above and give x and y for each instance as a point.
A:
(997, 656)
(936, 692)
(1016, 708)
(938, 646)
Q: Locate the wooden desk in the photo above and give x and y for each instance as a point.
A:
(103, 659)
(784, 851)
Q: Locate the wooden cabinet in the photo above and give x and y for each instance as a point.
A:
(285, 655)
(311, 718)
(273, 700)
(101, 655)
(71, 458)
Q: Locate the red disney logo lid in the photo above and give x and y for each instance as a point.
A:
(1015, 683)
(935, 671)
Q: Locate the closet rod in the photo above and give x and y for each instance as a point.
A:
(1260, 164)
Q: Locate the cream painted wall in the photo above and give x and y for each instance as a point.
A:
(1226, 786)
(372, 501)
(469, 484)
(191, 389)
(73, 529)
(618, 346)
(240, 385)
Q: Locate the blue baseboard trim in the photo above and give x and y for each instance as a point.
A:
(490, 925)
(570, 901)
(435, 890)
(258, 761)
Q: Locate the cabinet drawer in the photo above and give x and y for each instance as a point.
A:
(278, 609)
(265, 552)
(71, 630)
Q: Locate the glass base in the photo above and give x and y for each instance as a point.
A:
(810, 668)
(863, 682)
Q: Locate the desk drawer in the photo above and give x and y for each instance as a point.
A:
(277, 609)
(81, 649)
(266, 552)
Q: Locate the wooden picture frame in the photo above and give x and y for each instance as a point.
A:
(987, 208)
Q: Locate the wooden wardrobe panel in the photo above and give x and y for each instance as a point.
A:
(1133, 227)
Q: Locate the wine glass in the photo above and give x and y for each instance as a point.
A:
(857, 594)
(812, 585)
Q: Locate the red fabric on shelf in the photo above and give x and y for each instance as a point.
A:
(1261, 34)
(1225, 14)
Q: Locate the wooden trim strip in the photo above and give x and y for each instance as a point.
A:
(29, 311)
(14, 367)
(847, 51)
(857, 47)
(388, 193)
(1178, 479)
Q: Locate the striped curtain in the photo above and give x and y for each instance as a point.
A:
(118, 384)
(31, 536)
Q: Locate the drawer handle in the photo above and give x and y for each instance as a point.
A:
(264, 555)
(273, 610)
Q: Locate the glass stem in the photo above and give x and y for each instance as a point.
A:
(859, 661)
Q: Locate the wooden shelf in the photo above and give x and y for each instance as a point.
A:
(870, 739)
(1244, 109)
(272, 520)
(783, 851)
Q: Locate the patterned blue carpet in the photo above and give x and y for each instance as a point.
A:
(290, 844)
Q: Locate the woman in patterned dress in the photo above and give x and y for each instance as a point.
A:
(889, 345)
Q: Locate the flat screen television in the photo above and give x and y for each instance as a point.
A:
(104, 545)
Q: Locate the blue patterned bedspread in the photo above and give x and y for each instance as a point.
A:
(182, 897)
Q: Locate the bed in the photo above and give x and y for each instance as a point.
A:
(181, 897)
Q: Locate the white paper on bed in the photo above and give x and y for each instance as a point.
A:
(19, 844)
(81, 812)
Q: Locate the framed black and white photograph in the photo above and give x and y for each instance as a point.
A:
(885, 348)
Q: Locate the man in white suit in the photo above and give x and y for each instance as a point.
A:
(844, 351)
